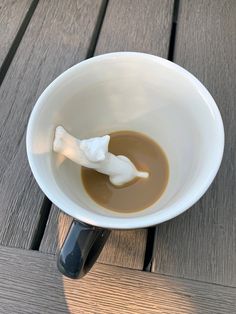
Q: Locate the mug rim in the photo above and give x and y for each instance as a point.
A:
(129, 222)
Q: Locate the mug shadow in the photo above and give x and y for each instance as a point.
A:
(125, 249)
(194, 245)
(111, 289)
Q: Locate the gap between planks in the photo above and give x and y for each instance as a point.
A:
(18, 37)
(45, 51)
(200, 243)
(47, 204)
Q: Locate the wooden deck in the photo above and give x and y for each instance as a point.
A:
(186, 265)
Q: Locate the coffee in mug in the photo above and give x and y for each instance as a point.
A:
(140, 193)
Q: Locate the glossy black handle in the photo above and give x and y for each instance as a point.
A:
(81, 248)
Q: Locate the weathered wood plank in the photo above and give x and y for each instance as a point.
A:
(123, 248)
(30, 283)
(12, 14)
(57, 37)
(136, 25)
(128, 25)
(201, 244)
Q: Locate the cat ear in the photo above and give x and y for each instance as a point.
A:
(93, 151)
(103, 149)
(104, 143)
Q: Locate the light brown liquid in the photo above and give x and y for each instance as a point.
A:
(140, 193)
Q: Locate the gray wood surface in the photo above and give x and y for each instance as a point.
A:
(12, 14)
(123, 248)
(201, 244)
(57, 37)
(136, 25)
(30, 283)
(128, 25)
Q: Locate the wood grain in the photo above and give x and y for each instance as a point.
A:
(201, 244)
(136, 25)
(121, 248)
(12, 14)
(30, 283)
(128, 25)
(57, 37)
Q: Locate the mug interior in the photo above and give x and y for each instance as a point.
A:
(127, 91)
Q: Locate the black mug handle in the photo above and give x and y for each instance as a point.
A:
(81, 248)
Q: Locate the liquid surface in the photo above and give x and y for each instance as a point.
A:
(139, 194)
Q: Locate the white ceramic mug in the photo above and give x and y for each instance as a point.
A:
(126, 91)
